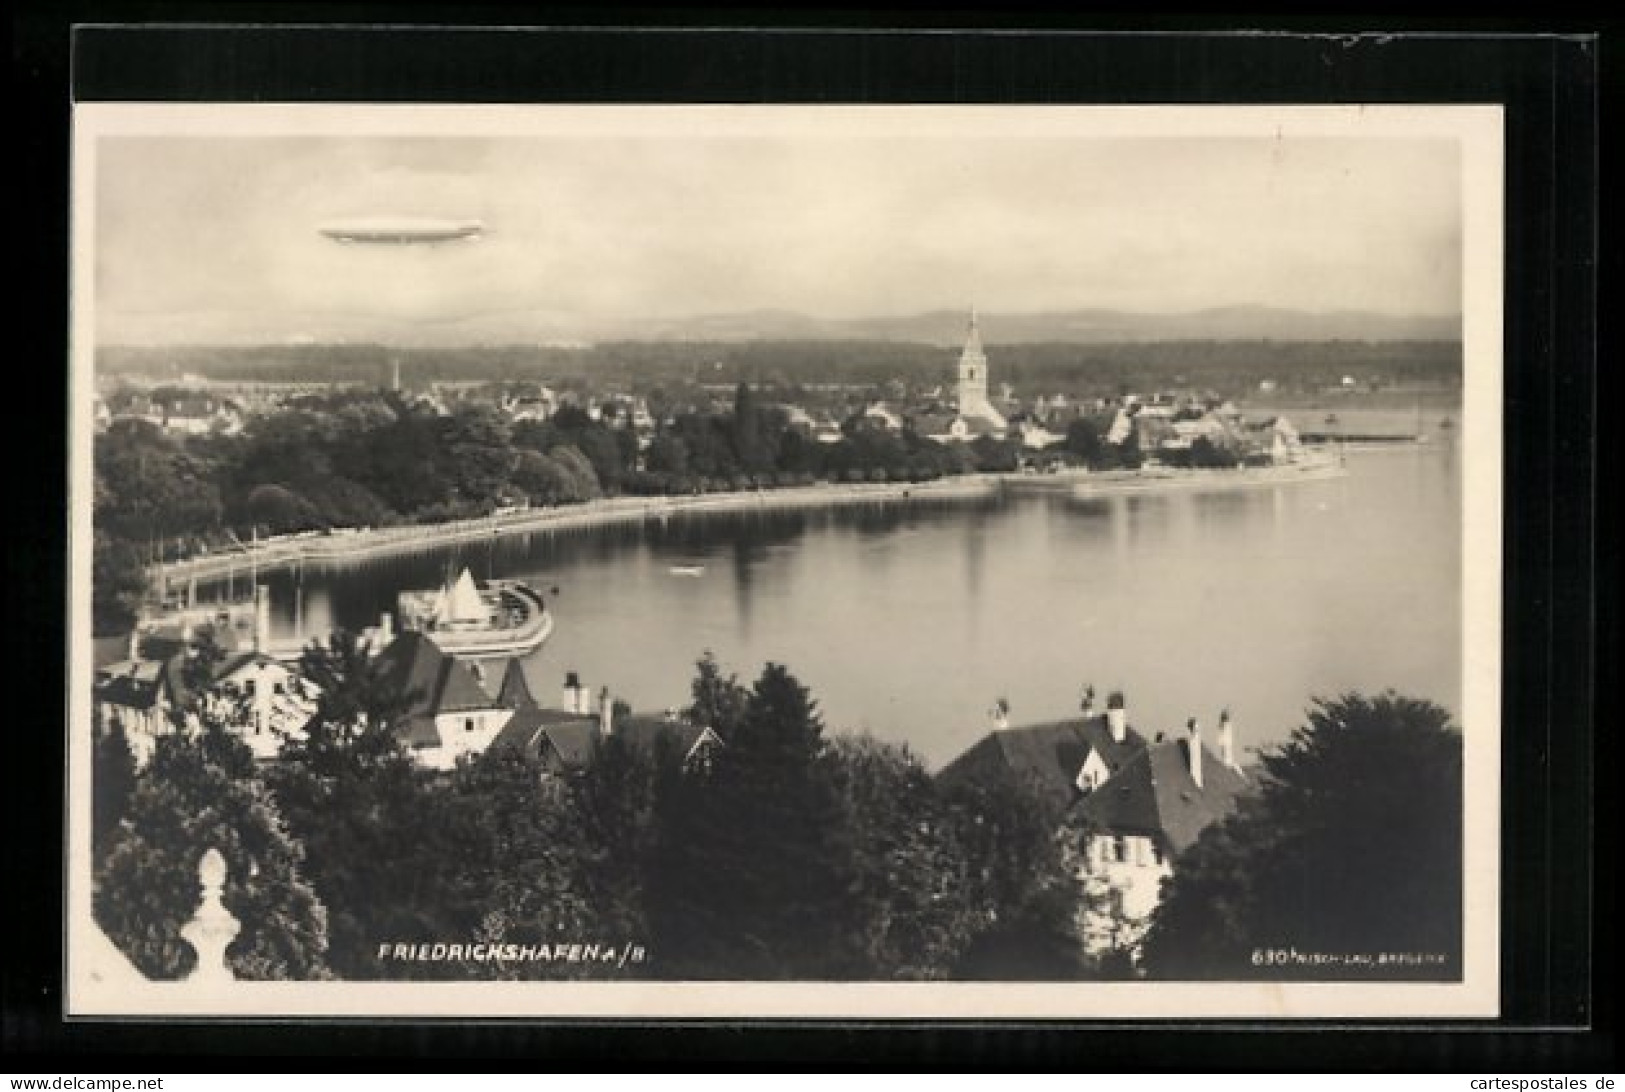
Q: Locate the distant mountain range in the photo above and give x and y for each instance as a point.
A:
(929, 327)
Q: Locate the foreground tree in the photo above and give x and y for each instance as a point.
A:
(146, 886)
(1351, 850)
(749, 878)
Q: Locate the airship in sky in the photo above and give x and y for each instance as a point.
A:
(401, 230)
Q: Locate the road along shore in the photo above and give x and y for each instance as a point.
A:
(341, 545)
(344, 545)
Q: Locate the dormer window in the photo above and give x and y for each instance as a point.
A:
(1092, 774)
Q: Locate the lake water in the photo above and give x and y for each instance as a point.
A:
(909, 619)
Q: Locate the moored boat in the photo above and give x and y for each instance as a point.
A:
(490, 618)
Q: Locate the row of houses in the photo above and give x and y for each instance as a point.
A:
(1132, 801)
(452, 707)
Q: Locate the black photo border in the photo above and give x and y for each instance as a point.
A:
(1556, 1010)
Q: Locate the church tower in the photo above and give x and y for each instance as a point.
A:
(972, 392)
(972, 369)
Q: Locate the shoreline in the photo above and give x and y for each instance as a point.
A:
(347, 545)
(354, 545)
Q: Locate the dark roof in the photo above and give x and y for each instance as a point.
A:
(1048, 755)
(139, 684)
(573, 742)
(643, 733)
(418, 731)
(514, 693)
(565, 738)
(459, 690)
(414, 666)
(931, 424)
(1155, 794)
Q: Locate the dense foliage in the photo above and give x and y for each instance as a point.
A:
(1351, 849)
(366, 459)
(197, 792)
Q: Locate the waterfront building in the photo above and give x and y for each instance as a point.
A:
(448, 712)
(141, 696)
(262, 700)
(1131, 805)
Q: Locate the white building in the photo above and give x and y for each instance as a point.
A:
(1135, 805)
(971, 390)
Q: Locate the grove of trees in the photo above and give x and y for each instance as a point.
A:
(785, 854)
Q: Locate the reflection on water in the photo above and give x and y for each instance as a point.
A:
(908, 619)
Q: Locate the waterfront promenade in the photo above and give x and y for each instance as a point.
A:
(358, 544)
(350, 544)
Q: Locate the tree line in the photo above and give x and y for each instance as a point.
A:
(788, 853)
(371, 459)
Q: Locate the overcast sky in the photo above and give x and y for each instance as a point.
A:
(217, 236)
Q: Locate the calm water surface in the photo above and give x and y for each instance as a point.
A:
(908, 620)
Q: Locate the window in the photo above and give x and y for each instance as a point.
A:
(468, 724)
(1119, 849)
(248, 688)
(278, 688)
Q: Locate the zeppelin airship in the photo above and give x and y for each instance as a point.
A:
(401, 230)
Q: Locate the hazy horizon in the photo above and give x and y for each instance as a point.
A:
(666, 216)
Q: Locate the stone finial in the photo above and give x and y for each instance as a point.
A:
(213, 927)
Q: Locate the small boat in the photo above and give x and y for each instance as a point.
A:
(1447, 423)
(1331, 418)
(687, 570)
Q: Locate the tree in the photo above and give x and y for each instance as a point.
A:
(357, 706)
(912, 914)
(1352, 846)
(112, 783)
(1015, 870)
(146, 888)
(749, 879)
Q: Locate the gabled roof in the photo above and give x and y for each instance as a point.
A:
(139, 684)
(566, 738)
(514, 692)
(645, 733)
(1154, 794)
(1048, 756)
(414, 666)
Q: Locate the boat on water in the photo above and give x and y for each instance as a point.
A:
(1447, 424)
(687, 570)
(486, 618)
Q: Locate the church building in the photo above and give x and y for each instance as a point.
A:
(976, 415)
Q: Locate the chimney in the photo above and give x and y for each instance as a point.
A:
(1193, 745)
(1117, 716)
(1227, 740)
(1000, 714)
(1089, 701)
(262, 618)
(606, 713)
(575, 695)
